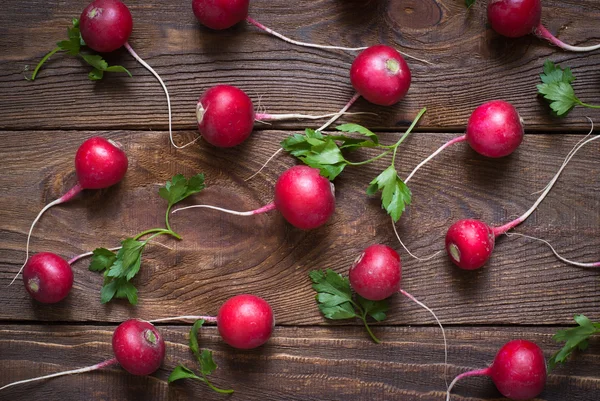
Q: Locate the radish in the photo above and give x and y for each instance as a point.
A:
(105, 26)
(223, 14)
(516, 18)
(99, 163)
(518, 371)
(244, 321)
(226, 116)
(376, 274)
(469, 243)
(305, 198)
(137, 346)
(48, 278)
(495, 129)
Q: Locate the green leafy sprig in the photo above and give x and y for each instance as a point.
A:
(336, 300)
(73, 47)
(325, 153)
(205, 360)
(557, 90)
(120, 267)
(469, 3)
(574, 338)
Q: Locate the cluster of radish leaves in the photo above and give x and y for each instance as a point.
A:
(119, 268)
(336, 300)
(73, 47)
(574, 338)
(326, 153)
(557, 90)
(205, 360)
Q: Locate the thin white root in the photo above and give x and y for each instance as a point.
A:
(406, 249)
(421, 304)
(571, 262)
(250, 213)
(264, 165)
(211, 319)
(340, 113)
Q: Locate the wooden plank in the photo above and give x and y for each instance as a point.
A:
(222, 255)
(471, 64)
(296, 364)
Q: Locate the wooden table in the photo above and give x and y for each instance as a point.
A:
(523, 292)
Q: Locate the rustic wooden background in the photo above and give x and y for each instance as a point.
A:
(523, 292)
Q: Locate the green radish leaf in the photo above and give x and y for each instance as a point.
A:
(395, 195)
(574, 338)
(181, 372)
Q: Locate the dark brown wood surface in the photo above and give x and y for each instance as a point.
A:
(523, 292)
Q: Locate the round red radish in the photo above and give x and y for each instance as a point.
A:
(220, 14)
(514, 18)
(495, 129)
(105, 25)
(138, 347)
(100, 163)
(376, 273)
(225, 116)
(245, 321)
(304, 197)
(519, 370)
(470, 243)
(380, 75)
(48, 278)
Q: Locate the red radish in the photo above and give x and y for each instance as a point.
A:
(494, 129)
(99, 163)
(518, 371)
(380, 75)
(244, 321)
(137, 346)
(516, 18)
(305, 198)
(48, 278)
(105, 25)
(469, 243)
(226, 116)
(376, 275)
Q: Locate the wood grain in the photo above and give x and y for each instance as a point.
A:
(222, 255)
(471, 64)
(310, 363)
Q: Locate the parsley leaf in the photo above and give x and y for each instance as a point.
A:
(469, 3)
(557, 90)
(73, 46)
(334, 298)
(179, 188)
(205, 360)
(574, 338)
(395, 194)
(102, 259)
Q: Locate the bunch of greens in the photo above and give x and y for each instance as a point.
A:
(205, 360)
(325, 153)
(337, 302)
(119, 268)
(574, 338)
(73, 47)
(557, 90)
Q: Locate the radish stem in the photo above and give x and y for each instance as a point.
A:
(541, 32)
(264, 209)
(434, 154)
(65, 198)
(341, 112)
(211, 319)
(478, 372)
(97, 366)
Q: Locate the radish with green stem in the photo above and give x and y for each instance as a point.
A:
(223, 14)
(304, 198)
(516, 18)
(226, 116)
(469, 242)
(518, 371)
(99, 163)
(104, 26)
(137, 346)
